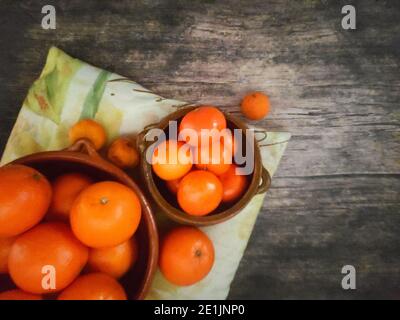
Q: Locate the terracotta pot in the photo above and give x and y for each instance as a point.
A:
(82, 157)
(259, 180)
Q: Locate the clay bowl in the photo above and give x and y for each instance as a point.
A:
(82, 157)
(259, 180)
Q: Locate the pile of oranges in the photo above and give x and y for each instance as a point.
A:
(73, 237)
(201, 186)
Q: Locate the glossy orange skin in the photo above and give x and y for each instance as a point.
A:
(17, 294)
(114, 261)
(186, 256)
(233, 185)
(175, 162)
(203, 117)
(66, 189)
(5, 247)
(24, 199)
(88, 129)
(255, 106)
(199, 193)
(173, 185)
(216, 162)
(94, 286)
(105, 214)
(123, 154)
(46, 244)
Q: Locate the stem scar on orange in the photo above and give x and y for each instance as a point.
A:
(88, 129)
(172, 159)
(24, 199)
(186, 256)
(66, 189)
(94, 286)
(199, 192)
(105, 214)
(46, 244)
(114, 261)
(255, 106)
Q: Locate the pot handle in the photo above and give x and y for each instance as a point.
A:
(84, 146)
(265, 181)
(141, 137)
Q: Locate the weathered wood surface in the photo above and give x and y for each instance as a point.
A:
(335, 197)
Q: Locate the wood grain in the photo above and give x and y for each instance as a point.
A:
(335, 197)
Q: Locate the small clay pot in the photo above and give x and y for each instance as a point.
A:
(82, 157)
(259, 180)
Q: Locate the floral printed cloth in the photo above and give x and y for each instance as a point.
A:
(69, 89)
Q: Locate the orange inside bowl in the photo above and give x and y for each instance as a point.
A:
(138, 279)
(167, 201)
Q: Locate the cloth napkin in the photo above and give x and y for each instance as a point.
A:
(69, 90)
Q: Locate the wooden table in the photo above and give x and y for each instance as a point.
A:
(335, 198)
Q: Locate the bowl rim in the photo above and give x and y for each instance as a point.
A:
(83, 152)
(259, 174)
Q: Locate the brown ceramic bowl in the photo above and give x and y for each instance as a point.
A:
(82, 157)
(259, 180)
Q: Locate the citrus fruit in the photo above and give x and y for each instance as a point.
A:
(173, 185)
(186, 256)
(255, 106)
(24, 199)
(172, 160)
(94, 286)
(199, 192)
(88, 129)
(114, 261)
(203, 117)
(233, 184)
(105, 214)
(215, 159)
(65, 190)
(5, 247)
(17, 294)
(48, 244)
(122, 153)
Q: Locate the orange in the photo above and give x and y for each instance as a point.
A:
(94, 286)
(199, 193)
(123, 154)
(114, 261)
(234, 185)
(255, 106)
(173, 185)
(105, 214)
(5, 247)
(172, 159)
(48, 244)
(17, 294)
(217, 160)
(186, 256)
(24, 199)
(88, 129)
(203, 117)
(65, 190)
